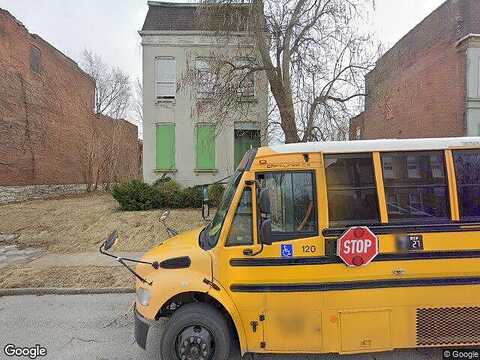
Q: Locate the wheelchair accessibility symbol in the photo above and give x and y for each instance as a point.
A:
(287, 250)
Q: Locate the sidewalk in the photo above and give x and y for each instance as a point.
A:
(11, 255)
(81, 259)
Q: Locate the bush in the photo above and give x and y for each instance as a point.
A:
(172, 193)
(136, 195)
(215, 194)
(193, 197)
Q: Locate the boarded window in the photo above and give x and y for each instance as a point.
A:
(244, 141)
(205, 147)
(35, 60)
(165, 78)
(352, 192)
(467, 167)
(416, 187)
(165, 144)
(241, 229)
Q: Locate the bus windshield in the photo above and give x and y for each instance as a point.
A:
(209, 236)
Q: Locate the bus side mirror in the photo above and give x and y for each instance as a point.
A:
(111, 240)
(264, 202)
(266, 232)
(205, 211)
(205, 205)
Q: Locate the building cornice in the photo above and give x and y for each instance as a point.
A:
(187, 33)
(467, 37)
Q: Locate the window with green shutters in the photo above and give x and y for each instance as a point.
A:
(205, 147)
(165, 145)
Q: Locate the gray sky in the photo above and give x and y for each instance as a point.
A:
(109, 27)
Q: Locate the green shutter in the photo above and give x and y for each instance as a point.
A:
(244, 141)
(206, 147)
(165, 138)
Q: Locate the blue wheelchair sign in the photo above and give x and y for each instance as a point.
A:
(287, 250)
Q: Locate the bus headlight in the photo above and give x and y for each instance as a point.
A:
(143, 296)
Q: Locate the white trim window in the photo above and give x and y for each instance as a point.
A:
(246, 88)
(206, 78)
(165, 78)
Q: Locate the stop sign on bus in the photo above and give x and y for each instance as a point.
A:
(357, 246)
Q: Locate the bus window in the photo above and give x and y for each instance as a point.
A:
(352, 192)
(241, 229)
(416, 187)
(293, 204)
(467, 168)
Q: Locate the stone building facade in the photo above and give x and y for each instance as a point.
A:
(428, 84)
(178, 142)
(49, 132)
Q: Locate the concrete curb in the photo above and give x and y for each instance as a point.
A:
(63, 291)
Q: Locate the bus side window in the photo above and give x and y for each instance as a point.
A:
(467, 169)
(352, 192)
(241, 230)
(416, 187)
(293, 204)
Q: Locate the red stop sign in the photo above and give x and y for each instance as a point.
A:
(358, 246)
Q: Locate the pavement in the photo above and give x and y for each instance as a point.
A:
(101, 327)
(12, 255)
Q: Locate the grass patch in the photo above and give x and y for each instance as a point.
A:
(79, 224)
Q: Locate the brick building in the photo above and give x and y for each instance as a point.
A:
(49, 132)
(428, 84)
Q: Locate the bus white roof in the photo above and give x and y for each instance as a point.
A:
(382, 145)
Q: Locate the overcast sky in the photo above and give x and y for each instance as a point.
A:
(109, 27)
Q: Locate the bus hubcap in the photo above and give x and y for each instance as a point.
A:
(194, 343)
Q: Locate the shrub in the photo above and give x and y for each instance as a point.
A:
(136, 195)
(162, 181)
(172, 193)
(193, 197)
(215, 194)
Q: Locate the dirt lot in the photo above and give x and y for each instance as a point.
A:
(65, 277)
(79, 224)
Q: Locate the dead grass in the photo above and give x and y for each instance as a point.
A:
(79, 224)
(65, 277)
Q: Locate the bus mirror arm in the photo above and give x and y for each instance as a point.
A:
(249, 252)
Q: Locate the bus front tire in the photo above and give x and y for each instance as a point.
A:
(196, 331)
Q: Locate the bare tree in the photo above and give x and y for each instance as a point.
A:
(313, 53)
(137, 104)
(112, 89)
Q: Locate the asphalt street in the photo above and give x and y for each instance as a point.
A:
(101, 327)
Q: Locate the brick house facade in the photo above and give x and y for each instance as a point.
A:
(49, 132)
(427, 85)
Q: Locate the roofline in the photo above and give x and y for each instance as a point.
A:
(38, 38)
(383, 145)
(192, 5)
(171, 4)
(412, 30)
(189, 33)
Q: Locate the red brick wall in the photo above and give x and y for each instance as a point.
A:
(47, 125)
(418, 87)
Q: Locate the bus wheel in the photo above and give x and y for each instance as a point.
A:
(196, 332)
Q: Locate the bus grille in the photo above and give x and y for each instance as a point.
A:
(448, 326)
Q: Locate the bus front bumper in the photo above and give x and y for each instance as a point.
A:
(142, 326)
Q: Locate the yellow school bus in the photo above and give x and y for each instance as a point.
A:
(266, 270)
